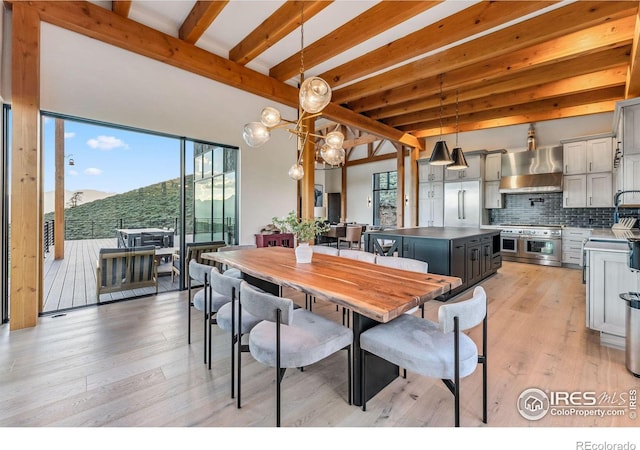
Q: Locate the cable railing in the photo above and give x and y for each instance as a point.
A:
(101, 229)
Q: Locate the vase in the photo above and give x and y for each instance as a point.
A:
(304, 253)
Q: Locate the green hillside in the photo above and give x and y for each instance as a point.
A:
(157, 205)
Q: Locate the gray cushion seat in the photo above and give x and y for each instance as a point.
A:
(224, 318)
(217, 301)
(420, 346)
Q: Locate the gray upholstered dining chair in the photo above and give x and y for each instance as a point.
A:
(204, 300)
(232, 271)
(291, 338)
(325, 250)
(233, 321)
(437, 350)
(358, 254)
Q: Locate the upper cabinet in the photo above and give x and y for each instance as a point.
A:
(428, 172)
(626, 123)
(492, 167)
(631, 129)
(473, 172)
(588, 156)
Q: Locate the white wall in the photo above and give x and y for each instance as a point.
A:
(86, 78)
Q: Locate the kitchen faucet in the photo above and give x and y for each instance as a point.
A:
(616, 201)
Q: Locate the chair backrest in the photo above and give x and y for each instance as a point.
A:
(126, 265)
(196, 249)
(399, 262)
(227, 248)
(470, 312)
(354, 233)
(263, 305)
(326, 250)
(358, 254)
(198, 271)
(224, 284)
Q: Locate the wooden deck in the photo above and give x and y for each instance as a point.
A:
(71, 282)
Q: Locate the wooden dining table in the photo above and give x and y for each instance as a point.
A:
(374, 293)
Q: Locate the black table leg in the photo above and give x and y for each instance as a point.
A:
(379, 371)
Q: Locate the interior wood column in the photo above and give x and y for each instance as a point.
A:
(343, 195)
(26, 200)
(413, 200)
(400, 188)
(307, 184)
(58, 239)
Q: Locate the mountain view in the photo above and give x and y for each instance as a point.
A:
(157, 205)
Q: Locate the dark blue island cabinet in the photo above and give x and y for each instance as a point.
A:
(472, 254)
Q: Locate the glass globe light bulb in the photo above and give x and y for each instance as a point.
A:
(315, 94)
(331, 155)
(334, 139)
(296, 172)
(255, 134)
(270, 117)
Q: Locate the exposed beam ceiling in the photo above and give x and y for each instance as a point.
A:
(505, 62)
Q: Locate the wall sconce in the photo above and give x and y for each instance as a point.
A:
(368, 202)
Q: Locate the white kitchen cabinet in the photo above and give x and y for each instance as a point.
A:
(608, 276)
(574, 157)
(431, 204)
(492, 167)
(574, 193)
(428, 172)
(631, 130)
(594, 190)
(588, 156)
(572, 241)
(630, 179)
(492, 195)
(473, 172)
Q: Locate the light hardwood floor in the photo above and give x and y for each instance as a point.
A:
(128, 364)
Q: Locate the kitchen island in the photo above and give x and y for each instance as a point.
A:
(471, 254)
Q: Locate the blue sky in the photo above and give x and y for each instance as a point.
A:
(110, 159)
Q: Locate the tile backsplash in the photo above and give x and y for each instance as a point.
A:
(546, 209)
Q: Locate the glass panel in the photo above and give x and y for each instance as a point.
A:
(230, 156)
(202, 210)
(197, 167)
(207, 164)
(218, 202)
(218, 161)
(230, 207)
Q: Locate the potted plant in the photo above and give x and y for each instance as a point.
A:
(304, 230)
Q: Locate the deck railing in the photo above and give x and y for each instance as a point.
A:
(102, 229)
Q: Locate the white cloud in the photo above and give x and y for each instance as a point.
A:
(73, 173)
(106, 143)
(69, 134)
(92, 171)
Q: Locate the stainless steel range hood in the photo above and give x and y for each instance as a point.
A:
(538, 170)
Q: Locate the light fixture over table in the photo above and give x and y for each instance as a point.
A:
(314, 96)
(459, 161)
(440, 155)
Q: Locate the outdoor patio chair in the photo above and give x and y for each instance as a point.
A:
(194, 250)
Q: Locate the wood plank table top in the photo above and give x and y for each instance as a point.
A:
(378, 292)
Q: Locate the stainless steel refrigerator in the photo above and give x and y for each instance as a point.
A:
(462, 204)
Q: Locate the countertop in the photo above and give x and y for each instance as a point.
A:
(437, 232)
(608, 234)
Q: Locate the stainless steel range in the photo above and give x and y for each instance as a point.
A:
(534, 244)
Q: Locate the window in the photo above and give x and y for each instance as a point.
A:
(385, 186)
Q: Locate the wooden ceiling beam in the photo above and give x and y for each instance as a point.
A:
(98, 23)
(526, 109)
(282, 22)
(475, 19)
(633, 75)
(565, 86)
(121, 7)
(370, 23)
(562, 21)
(200, 19)
(602, 37)
(375, 158)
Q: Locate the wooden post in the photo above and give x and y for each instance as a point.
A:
(27, 252)
(307, 188)
(400, 187)
(415, 154)
(58, 241)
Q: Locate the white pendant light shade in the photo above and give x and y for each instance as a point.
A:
(296, 172)
(255, 134)
(459, 161)
(440, 155)
(334, 139)
(315, 94)
(270, 117)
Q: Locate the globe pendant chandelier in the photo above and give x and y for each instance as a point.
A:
(314, 96)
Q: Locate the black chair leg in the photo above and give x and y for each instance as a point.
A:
(363, 381)
(349, 376)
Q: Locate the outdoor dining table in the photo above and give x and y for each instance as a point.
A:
(374, 293)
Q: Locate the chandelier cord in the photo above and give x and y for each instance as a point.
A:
(441, 76)
(456, 117)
